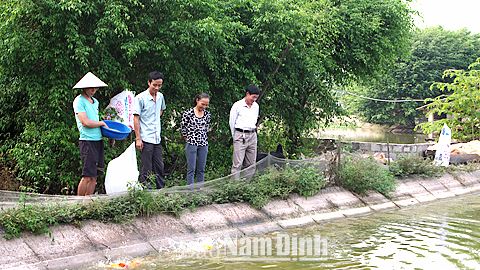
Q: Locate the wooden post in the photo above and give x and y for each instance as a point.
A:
(388, 152)
(339, 150)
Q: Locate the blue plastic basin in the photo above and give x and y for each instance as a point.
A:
(120, 131)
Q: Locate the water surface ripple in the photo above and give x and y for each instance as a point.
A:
(439, 235)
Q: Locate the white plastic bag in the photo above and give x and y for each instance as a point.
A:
(442, 155)
(122, 171)
(123, 104)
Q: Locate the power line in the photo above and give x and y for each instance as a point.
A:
(376, 99)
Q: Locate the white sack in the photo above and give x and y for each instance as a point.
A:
(122, 171)
(442, 155)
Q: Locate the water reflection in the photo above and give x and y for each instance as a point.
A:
(371, 134)
(439, 235)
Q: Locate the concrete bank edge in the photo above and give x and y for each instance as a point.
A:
(74, 247)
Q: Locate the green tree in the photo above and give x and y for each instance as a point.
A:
(432, 50)
(334, 43)
(217, 47)
(463, 104)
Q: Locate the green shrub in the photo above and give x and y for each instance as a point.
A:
(278, 181)
(361, 175)
(409, 164)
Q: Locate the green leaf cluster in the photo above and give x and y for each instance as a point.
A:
(431, 51)
(461, 104)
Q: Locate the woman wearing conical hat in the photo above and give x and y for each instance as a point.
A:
(91, 145)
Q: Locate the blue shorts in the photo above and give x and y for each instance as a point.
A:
(93, 158)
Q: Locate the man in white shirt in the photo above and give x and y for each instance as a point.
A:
(243, 125)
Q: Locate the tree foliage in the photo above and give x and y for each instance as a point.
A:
(432, 51)
(463, 104)
(217, 47)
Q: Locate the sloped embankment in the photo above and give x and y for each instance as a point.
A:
(95, 241)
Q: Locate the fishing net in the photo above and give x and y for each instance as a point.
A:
(320, 164)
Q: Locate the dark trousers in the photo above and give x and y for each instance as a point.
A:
(151, 163)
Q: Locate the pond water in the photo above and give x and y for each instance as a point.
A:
(371, 134)
(439, 235)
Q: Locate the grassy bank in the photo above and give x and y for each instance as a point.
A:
(355, 173)
(276, 181)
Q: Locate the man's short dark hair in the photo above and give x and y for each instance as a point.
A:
(155, 76)
(253, 90)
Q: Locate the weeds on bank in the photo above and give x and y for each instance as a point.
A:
(277, 181)
(469, 167)
(362, 175)
(413, 164)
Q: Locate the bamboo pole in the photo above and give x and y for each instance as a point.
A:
(388, 152)
(339, 148)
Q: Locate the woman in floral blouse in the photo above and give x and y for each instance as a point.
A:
(194, 126)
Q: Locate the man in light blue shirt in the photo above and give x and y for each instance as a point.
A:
(148, 108)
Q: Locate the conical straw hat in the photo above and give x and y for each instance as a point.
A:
(88, 81)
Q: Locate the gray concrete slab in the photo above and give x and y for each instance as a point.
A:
(15, 252)
(476, 175)
(357, 211)
(296, 222)
(377, 201)
(72, 262)
(138, 249)
(406, 188)
(342, 198)
(68, 241)
(317, 203)
(373, 198)
(425, 198)
(406, 202)
(161, 244)
(231, 232)
(469, 179)
(469, 190)
(282, 209)
(241, 214)
(421, 192)
(204, 219)
(261, 228)
(436, 188)
(21, 266)
(322, 217)
(111, 235)
(160, 226)
(453, 185)
(383, 206)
